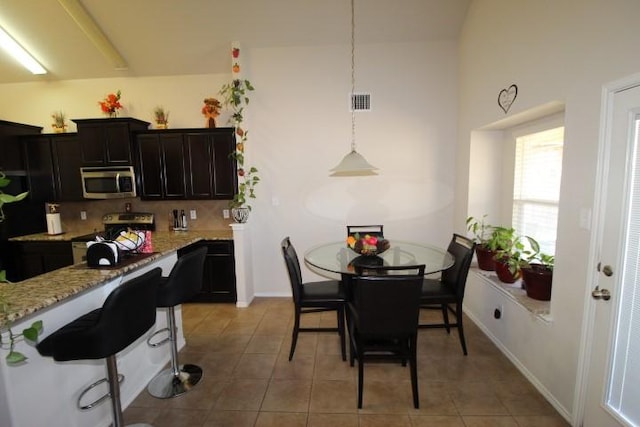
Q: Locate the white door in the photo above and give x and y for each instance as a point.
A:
(613, 388)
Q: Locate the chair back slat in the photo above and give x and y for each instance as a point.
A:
(396, 270)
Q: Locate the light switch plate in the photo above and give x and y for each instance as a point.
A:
(225, 213)
(83, 215)
(193, 214)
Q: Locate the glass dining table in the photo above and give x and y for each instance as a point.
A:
(337, 258)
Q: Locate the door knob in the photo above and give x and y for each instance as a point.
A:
(598, 293)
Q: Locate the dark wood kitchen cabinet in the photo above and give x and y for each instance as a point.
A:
(161, 166)
(108, 142)
(186, 164)
(212, 170)
(53, 167)
(11, 158)
(219, 272)
(38, 257)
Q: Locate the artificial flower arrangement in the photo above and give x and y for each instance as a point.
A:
(368, 245)
(161, 117)
(211, 110)
(58, 124)
(111, 104)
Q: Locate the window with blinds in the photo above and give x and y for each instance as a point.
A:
(536, 186)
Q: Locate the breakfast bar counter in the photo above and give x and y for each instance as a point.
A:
(29, 296)
(60, 296)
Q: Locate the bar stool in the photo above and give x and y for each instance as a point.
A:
(127, 313)
(184, 281)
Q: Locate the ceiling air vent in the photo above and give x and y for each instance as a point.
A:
(360, 102)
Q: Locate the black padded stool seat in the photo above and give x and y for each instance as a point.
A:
(184, 281)
(127, 313)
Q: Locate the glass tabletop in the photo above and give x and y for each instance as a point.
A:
(336, 257)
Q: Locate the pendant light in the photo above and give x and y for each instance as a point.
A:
(353, 164)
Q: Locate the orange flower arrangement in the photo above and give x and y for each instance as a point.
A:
(111, 104)
(211, 110)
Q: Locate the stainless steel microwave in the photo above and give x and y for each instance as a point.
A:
(115, 182)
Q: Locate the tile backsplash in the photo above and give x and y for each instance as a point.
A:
(209, 213)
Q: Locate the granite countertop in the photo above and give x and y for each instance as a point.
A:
(42, 291)
(69, 235)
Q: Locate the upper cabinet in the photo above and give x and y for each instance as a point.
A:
(108, 142)
(53, 167)
(161, 166)
(186, 164)
(213, 173)
(11, 159)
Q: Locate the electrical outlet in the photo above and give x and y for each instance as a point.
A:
(83, 215)
(225, 213)
(193, 214)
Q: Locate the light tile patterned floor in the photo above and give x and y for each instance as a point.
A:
(248, 380)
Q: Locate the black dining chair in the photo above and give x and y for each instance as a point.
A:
(449, 289)
(383, 320)
(313, 297)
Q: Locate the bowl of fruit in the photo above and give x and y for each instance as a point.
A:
(367, 244)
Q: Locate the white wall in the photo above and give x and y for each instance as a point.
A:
(33, 103)
(299, 127)
(554, 51)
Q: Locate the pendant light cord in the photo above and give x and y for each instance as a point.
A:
(353, 75)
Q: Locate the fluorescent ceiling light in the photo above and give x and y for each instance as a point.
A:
(14, 49)
(93, 31)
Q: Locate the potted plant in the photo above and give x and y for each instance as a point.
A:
(59, 124)
(161, 117)
(510, 253)
(482, 232)
(537, 273)
(235, 94)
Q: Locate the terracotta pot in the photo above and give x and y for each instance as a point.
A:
(537, 281)
(505, 276)
(485, 258)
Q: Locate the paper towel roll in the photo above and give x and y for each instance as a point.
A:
(54, 226)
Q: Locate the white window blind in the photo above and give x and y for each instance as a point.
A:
(623, 386)
(536, 186)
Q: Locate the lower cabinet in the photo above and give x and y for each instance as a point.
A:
(219, 274)
(35, 258)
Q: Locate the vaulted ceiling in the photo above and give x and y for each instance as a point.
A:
(181, 37)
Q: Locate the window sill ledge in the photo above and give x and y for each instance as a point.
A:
(539, 309)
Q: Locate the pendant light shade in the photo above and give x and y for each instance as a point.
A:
(353, 164)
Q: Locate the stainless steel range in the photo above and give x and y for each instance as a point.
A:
(113, 224)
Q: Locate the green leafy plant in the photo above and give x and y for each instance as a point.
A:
(30, 334)
(536, 256)
(501, 238)
(8, 198)
(480, 229)
(235, 96)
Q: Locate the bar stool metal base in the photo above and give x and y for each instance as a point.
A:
(166, 384)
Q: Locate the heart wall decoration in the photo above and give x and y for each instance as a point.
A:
(506, 97)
